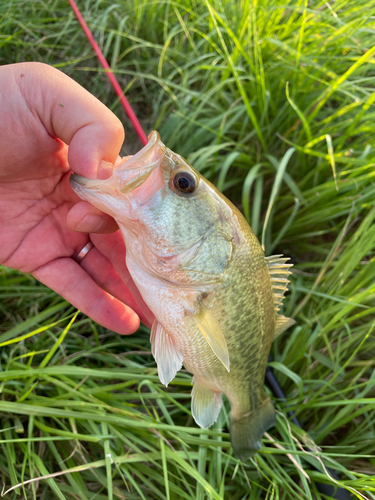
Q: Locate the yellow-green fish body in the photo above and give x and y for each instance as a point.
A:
(202, 272)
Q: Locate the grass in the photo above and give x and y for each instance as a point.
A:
(274, 102)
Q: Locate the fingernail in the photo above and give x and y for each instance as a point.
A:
(91, 223)
(104, 170)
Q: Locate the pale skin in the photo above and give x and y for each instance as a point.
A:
(49, 127)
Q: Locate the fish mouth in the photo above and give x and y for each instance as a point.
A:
(125, 179)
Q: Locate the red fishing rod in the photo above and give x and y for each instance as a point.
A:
(111, 77)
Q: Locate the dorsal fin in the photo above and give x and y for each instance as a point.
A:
(282, 323)
(279, 272)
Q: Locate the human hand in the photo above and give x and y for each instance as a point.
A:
(49, 124)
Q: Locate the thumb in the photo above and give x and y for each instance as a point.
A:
(69, 112)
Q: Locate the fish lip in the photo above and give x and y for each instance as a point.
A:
(128, 175)
(82, 185)
(84, 182)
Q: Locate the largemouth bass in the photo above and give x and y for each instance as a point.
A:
(202, 272)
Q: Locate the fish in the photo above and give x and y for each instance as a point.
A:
(203, 273)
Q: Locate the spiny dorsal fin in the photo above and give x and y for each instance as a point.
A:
(279, 272)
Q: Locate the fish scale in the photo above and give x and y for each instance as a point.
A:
(203, 273)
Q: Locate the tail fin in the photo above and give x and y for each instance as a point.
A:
(247, 431)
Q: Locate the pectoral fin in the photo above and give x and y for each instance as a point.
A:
(205, 405)
(167, 357)
(212, 332)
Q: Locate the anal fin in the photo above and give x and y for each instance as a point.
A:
(206, 404)
(167, 357)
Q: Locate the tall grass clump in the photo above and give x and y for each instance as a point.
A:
(273, 101)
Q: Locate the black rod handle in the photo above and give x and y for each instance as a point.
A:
(334, 492)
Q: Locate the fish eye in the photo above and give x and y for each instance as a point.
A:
(184, 182)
